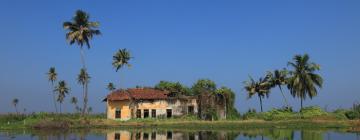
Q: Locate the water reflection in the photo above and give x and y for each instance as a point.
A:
(155, 134)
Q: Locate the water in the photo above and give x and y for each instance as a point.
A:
(157, 134)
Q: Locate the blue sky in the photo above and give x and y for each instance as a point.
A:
(186, 40)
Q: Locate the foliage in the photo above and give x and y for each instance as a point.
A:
(110, 87)
(260, 88)
(121, 58)
(277, 79)
(231, 112)
(175, 88)
(354, 112)
(80, 29)
(203, 86)
(303, 80)
(312, 111)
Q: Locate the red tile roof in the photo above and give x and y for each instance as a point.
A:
(137, 94)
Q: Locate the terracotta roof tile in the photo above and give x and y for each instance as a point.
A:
(137, 94)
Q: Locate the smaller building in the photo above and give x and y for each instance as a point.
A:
(148, 103)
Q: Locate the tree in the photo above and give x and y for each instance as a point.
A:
(229, 101)
(277, 79)
(83, 79)
(62, 90)
(175, 88)
(15, 101)
(74, 101)
(81, 31)
(303, 80)
(110, 87)
(260, 88)
(203, 86)
(121, 59)
(52, 76)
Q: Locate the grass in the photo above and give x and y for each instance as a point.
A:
(309, 117)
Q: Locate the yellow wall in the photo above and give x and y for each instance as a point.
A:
(122, 105)
(124, 135)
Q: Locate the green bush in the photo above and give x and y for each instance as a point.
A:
(312, 111)
(279, 114)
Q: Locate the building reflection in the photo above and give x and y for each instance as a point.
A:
(151, 135)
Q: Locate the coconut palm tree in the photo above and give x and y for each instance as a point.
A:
(52, 76)
(277, 79)
(110, 87)
(62, 90)
(83, 79)
(74, 101)
(15, 101)
(260, 88)
(303, 80)
(121, 59)
(81, 31)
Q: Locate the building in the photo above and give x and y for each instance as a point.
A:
(148, 103)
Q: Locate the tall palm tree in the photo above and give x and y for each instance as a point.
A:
(83, 79)
(62, 90)
(277, 79)
(81, 31)
(121, 59)
(15, 101)
(303, 80)
(52, 76)
(260, 88)
(74, 101)
(110, 87)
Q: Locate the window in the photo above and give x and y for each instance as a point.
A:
(146, 113)
(138, 113)
(191, 136)
(146, 136)
(168, 113)
(169, 135)
(117, 136)
(153, 136)
(153, 113)
(138, 136)
(190, 109)
(117, 113)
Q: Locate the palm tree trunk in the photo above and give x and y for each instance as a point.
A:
(60, 108)
(84, 103)
(261, 106)
(82, 55)
(301, 103)
(17, 112)
(85, 89)
(54, 98)
(287, 103)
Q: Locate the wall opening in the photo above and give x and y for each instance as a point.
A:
(117, 136)
(153, 113)
(138, 113)
(117, 113)
(190, 109)
(168, 113)
(146, 113)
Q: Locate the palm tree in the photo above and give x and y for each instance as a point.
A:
(277, 79)
(83, 79)
(110, 87)
(15, 101)
(261, 88)
(62, 90)
(121, 59)
(81, 31)
(52, 76)
(74, 101)
(303, 80)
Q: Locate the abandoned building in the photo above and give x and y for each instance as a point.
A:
(148, 103)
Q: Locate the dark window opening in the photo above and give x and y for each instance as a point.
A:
(153, 113)
(190, 109)
(117, 113)
(146, 136)
(146, 113)
(169, 135)
(191, 136)
(117, 136)
(137, 136)
(168, 113)
(138, 113)
(153, 136)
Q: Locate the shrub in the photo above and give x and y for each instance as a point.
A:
(312, 111)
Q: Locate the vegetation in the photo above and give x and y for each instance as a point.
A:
(62, 90)
(303, 80)
(81, 31)
(121, 59)
(176, 88)
(260, 88)
(52, 76)
(83, 79)
(15, 102)
(110, 87)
